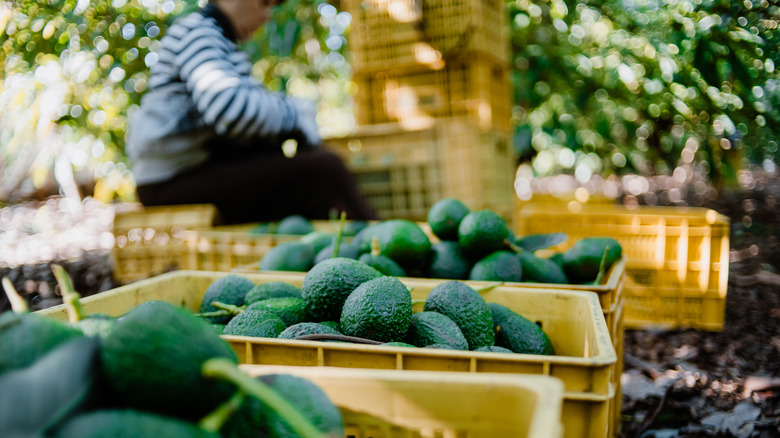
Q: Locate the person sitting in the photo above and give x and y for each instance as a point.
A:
(207, 131)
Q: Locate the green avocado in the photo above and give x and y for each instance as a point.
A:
(129, 424)
(428, 328)
(466, 308)
(272, 289)
(346, 250)
(25, 337)
(379, 309)
(257, 323)
(581, 262)
(481, 233)
(294, 256)
(517, 333)
(152, 361)
(448, 261)
(399, 239)
(307, 328)
(254, 419)
(494, 349)
(541, 270)
(318, 240)
(444, 218)
(290, 310)
(230, 289)
(385, 265)
(328, 284)
(294, 224)
(498, 266)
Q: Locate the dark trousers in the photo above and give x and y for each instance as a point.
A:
(265, 186)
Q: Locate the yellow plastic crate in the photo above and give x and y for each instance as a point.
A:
(585, 362)
(150, 240)
(388, 34)
(381, 403)
(478, 89)
(404, 171)
(677, 270)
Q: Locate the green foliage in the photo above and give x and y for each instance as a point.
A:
(646, 86)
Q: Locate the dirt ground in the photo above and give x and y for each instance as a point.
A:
(684, 383)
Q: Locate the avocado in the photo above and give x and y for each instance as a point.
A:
(25, 337)
(230, 289)
(378, 309)
(494, 349)
(466, 307)
(318, 240)
(129, 424)
(218, 328)
(290, 310)
(272, 289)
(557, 258)
(307, 328)
(444, 218)
(399, 239)
(397, 344)
(517, 333)
(329, 283)
(152, 361)
(61, 383)
(385, 265)
(309, 399)
(332, 324)
(448, 261)
(481, 233)
(498, 266)
(541, 270)
(346, 250)
(294, 224)
(289, 256)
(581, 262)
(257, 323)
(440, 347)
(428, 328)
(352, 228)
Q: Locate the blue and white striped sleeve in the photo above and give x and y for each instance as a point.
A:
(218, 78)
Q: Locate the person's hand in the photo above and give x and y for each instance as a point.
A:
(306, 127)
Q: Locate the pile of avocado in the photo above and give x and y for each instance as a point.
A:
(346, 300)
(468, 245)
(156, 371)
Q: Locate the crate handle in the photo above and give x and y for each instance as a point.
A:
(420, 25)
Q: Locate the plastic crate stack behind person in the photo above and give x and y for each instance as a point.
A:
(433, 104)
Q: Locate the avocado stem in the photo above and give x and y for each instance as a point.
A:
(332, 337)
(602, 266)
(234, 310)
(513, 246)
(224, 369)
(69, 295)
(18, 304)
(214, 314)
(488, 287)
(375, 251)
(341, 232)
(215, 420)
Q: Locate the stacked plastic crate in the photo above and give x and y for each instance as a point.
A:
(433, 104)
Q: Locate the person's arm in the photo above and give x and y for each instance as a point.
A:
(218, 78)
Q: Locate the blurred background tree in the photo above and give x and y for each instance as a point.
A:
(663, 87)
(648, 87)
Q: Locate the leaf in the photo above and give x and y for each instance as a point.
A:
(35, 398)
(541, 241)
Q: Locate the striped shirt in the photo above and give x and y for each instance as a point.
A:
(200, 88)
